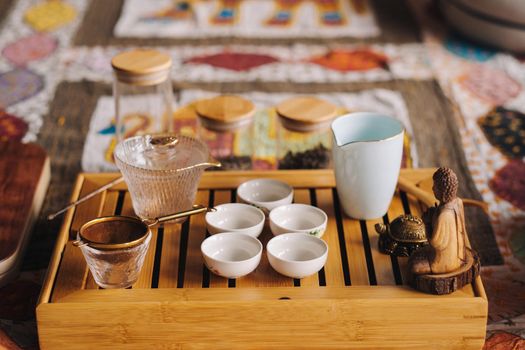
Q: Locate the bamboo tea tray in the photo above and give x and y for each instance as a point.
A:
(359, 299)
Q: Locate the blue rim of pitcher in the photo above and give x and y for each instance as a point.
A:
(356, 114)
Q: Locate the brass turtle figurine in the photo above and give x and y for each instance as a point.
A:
(403, 236)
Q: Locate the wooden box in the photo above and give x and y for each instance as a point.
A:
(358, 300)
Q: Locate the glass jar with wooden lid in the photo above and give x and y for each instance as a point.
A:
(225, 124)
(303, 134)
(143, 93)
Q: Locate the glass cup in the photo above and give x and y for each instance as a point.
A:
(114, 249)
(116, 268)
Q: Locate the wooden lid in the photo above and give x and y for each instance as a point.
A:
(306, 110)
(141, 66)
(226, 110)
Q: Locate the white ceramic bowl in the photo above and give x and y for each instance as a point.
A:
(265, 194)
(231, 254)
(485, 24)
(235, 217)
(297, 255)
(301, 218)
(503, 10)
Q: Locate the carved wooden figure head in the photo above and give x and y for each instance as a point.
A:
(445, 185)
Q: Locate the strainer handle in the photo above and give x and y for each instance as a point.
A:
(196, 209)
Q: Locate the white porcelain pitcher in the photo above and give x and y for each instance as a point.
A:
(367, 151)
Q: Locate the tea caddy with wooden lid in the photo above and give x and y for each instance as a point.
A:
(225, 124)
(142, 92)
(303, 133)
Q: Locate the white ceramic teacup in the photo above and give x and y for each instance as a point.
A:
(235, 217)
(265, 194)
(231, 254)
(298, 218)
(297, 255)
(367, 151)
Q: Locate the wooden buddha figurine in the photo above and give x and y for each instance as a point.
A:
(447, 256)
(445, 228)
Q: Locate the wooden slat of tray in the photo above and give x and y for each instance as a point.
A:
(264, 275)
(127, 206)
(194, 263)
(62, 239)
(333, 269)
(355, 248)
(351, 242)
(224, 180)
(169, 262)
(303, 197)
(73, 269)
(219, 197)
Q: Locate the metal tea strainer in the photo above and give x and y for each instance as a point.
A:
(120, 232)
(115, 246)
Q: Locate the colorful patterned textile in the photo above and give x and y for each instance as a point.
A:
(298, 63)
(246, 18)
(31, 41)
(488, 88)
